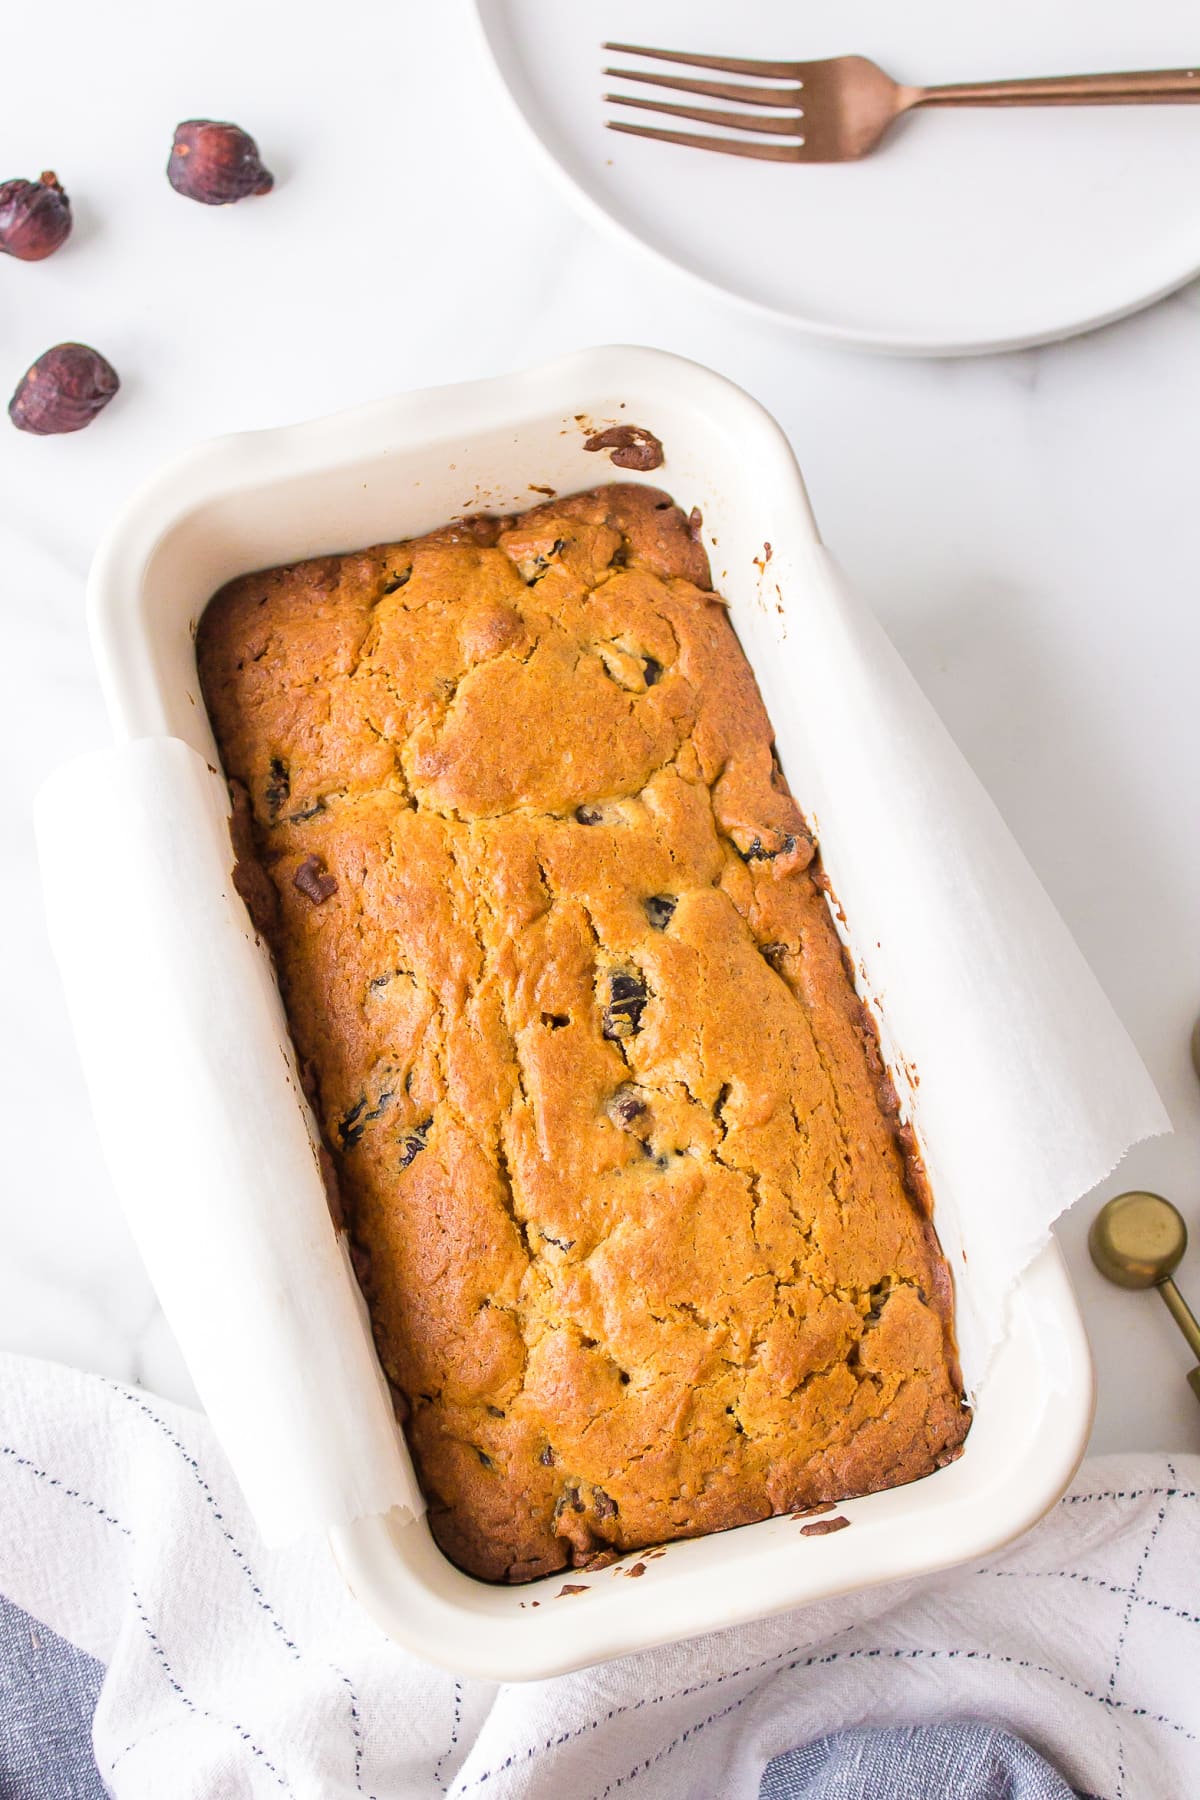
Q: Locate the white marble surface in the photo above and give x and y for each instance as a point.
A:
(1025, 527)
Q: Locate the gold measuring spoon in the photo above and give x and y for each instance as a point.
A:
(1138, 1241)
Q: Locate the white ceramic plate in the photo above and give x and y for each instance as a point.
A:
(968, 231)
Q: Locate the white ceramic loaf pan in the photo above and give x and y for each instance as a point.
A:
(399, 468)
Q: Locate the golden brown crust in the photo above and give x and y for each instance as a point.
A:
(620, 1158)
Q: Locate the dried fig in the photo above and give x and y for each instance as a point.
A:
(216, 163)
(63, 391)
(35, 217)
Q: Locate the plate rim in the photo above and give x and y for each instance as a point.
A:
(484, 14)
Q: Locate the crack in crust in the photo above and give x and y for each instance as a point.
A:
(646, 1245)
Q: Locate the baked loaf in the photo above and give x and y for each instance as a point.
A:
(646, 1252)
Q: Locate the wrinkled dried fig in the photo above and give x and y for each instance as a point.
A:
(216, 163)
(63, 391)
(35, 217)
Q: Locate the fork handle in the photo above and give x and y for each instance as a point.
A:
(1145, 85)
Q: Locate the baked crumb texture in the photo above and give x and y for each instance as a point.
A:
(643, 1249)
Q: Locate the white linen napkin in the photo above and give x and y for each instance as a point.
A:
(237, 1671)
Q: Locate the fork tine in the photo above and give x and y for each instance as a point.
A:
(715, 90)
(732, 65)
(783, 124)
(729, 146)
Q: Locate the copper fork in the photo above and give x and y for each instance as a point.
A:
(839, 109)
